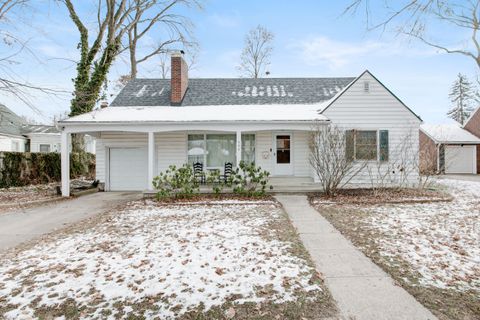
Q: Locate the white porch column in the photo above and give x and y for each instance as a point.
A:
(239, 148)
(151, 159)
(65, 163)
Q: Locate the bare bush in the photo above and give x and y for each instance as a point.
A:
(328, 157)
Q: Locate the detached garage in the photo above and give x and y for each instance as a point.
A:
(448, 149)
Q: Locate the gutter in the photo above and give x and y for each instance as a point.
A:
(91, 123)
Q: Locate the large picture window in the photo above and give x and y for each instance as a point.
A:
(220, 150)
(214, 150)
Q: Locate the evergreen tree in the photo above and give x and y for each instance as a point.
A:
(462, 96)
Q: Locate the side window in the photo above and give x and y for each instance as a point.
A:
(367, 145)
(44, 148)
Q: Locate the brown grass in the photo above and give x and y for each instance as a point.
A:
(444, 303)
(310, 305)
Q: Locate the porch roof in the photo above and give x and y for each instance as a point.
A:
(230, 113)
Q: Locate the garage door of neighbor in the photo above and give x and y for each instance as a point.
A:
(128, 169)
(460, 159)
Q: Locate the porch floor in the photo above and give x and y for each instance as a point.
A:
(279, 185)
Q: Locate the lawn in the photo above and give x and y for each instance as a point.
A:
(217, 260)
(431, 248)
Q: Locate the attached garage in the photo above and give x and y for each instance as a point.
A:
(127, 169)
(460, 159)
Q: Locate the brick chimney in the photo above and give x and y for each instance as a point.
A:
(179, 79)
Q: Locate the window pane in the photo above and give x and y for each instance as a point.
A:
(248, 148)
(283, 149)
(196, 148)
(366, 145)
(220, 150)
(44, 148)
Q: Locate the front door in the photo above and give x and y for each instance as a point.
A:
(283, 154)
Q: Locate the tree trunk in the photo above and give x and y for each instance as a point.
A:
(78, 143)
(133, 58)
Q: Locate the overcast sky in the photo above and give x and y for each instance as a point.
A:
(312, 39)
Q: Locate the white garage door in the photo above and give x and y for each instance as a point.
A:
(128, 169)
(460, 159)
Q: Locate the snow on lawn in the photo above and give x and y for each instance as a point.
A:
(440, 240)
(175, 257)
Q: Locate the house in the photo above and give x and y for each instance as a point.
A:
(473, 126)
(451, 148)
(154, 123)
(11, 134)
(19, 136)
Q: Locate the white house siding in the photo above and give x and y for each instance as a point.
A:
(378, 110)
(263, 150)
(301, 165)
(171, 149)
(6, 143)
(53, 140)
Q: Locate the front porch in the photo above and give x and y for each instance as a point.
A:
(131, 154)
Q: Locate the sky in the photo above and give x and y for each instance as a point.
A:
(312, 39)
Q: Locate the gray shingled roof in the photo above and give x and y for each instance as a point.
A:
(10, 123)
(232, 91)
(39, 128)
(13, 125)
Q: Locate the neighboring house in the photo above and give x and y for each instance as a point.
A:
(448, 148)
(19, 136)
(11, 135)
(473, 126)
(154, 123)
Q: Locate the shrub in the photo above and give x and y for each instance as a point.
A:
(249, 180)
(176, 182)
(216, 181)
(25, 168)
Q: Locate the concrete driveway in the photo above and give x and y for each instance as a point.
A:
(465, 177)
(26, 224)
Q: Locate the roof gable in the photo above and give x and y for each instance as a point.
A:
(233, 91)
(366, 72)
(10, 123)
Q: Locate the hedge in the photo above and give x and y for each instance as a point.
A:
(24, 168)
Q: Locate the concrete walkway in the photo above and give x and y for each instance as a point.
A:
(23, 225)
(362, 290)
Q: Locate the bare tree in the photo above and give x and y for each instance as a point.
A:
(328, 157)
(116, 20)
(149, 14)
(413, 18)
(10, 82)
(256, 54)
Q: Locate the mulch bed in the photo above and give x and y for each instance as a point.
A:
(206, 198)
(371, 197)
